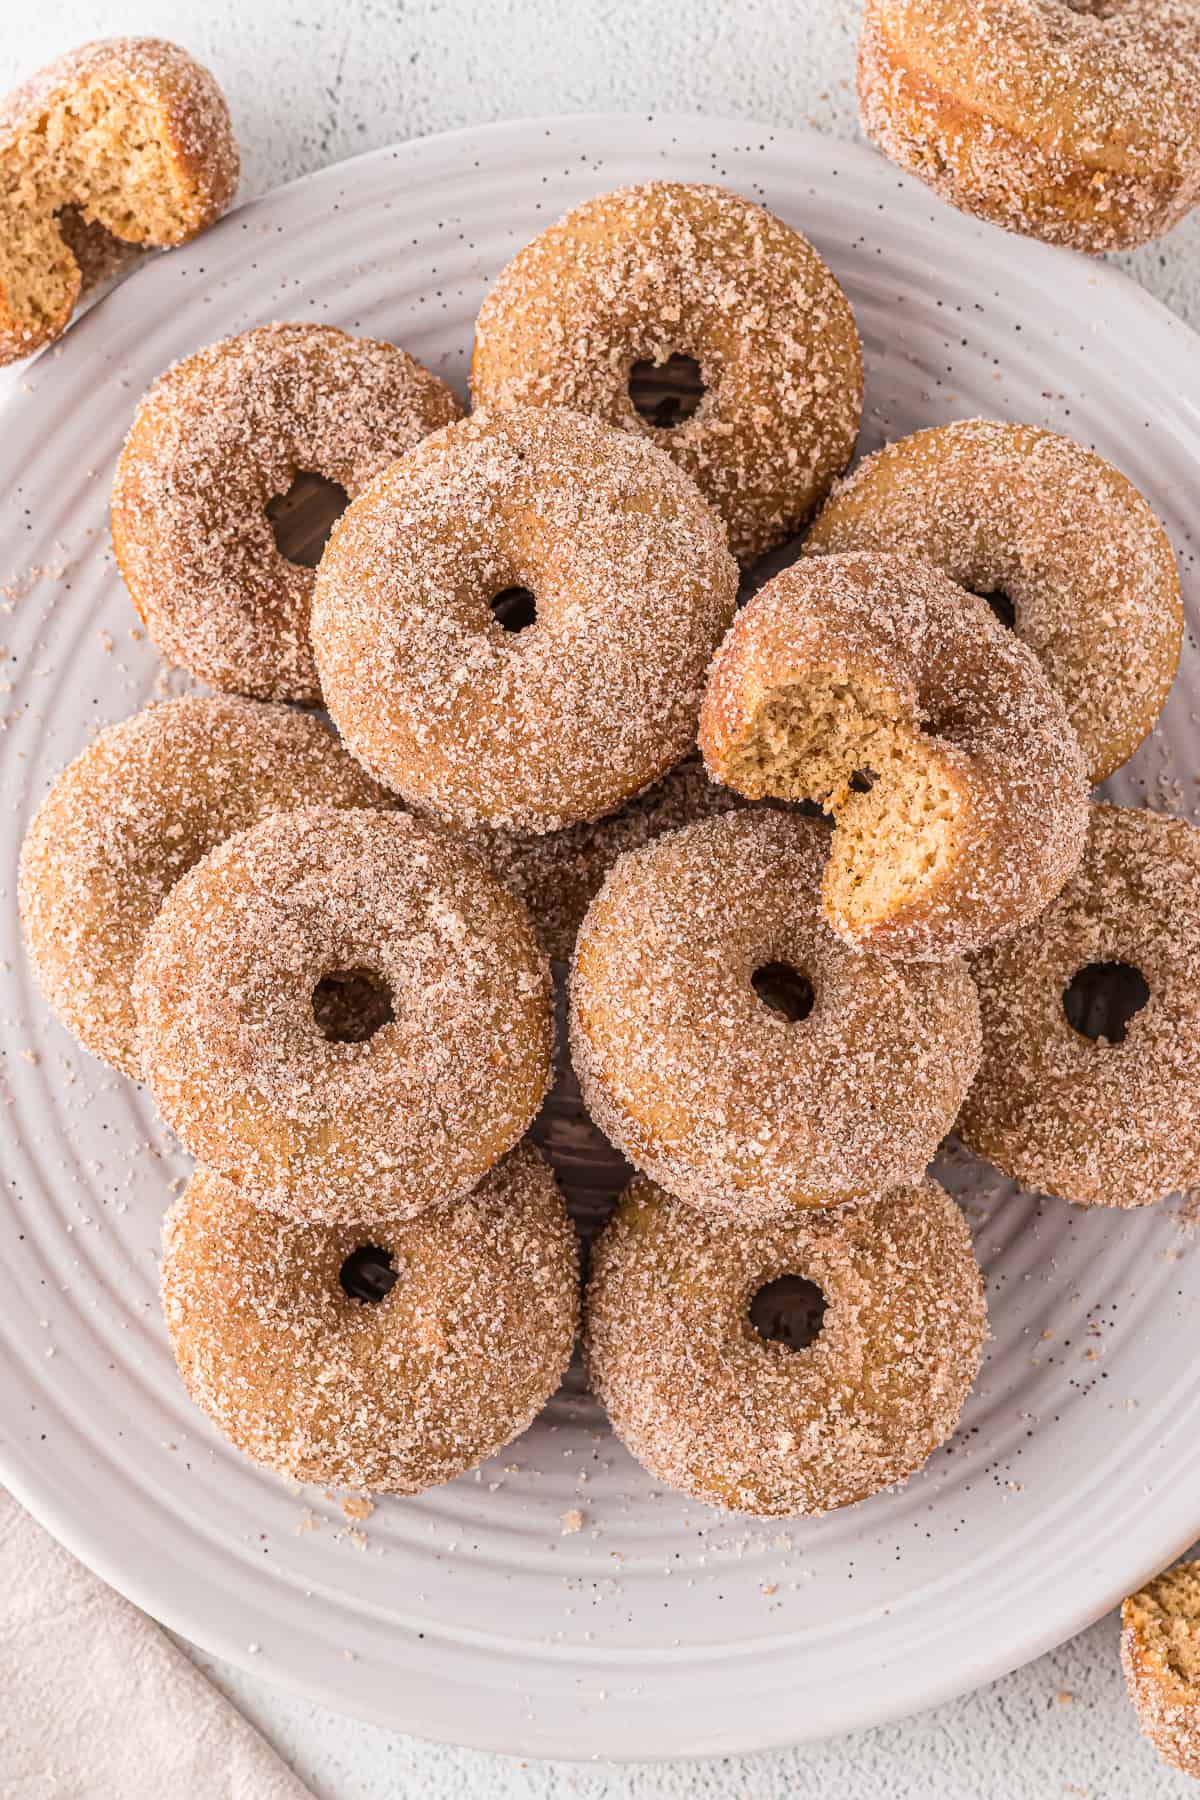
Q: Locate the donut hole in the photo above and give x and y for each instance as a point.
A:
(784, 989)
(666, 393)
(514, 608)
(843, 742)
(1001, 606)
(1101, 998)
(303, 518)
(790, 1311)
(367, 1274)
(351, 1005)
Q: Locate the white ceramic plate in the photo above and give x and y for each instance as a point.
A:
(470, 1614)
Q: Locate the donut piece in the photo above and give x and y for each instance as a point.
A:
(875, 686)
(1104, 1111)
(219, 436)
(633, 279)
(559, 873)
(537, 728)
(1075, 123)
(1034, 519)
(735, 1050)
(131, 138)
(709, 1406)
(144, 802)
(345, 1014)
(389, 1359)
(1160, 1653)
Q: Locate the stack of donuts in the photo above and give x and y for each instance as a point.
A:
(822, 869)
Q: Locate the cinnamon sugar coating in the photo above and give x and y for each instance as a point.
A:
(684, 269)
(589, 704)
(1160, 1653)
(709, 1406)
(146, 800)
(395, 1395)
(131, 139)
(1075, 122)
(1100, 1123)
(270, 928)
(874, 685)
(1074, 547)
(559, 873)
(218, 436)
(702, 1084)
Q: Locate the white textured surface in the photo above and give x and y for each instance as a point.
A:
(305, 95)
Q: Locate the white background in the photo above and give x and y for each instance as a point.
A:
(315, 81)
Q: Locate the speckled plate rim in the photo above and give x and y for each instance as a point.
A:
(1103, 1567)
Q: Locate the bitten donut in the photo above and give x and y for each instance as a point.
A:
(125, 139)
(388, 1361)
(219, 436)
(559, 873)
(1076, 123)
(735, 1050)
(1105, 1120)
(345, 1014)
(874, 685)
(1160, 1653)
(144, 802)
(630, 281)
(482, 713)
(708, 1405)
(1033, 519)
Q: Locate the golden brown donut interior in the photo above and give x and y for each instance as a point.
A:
(846, 743)
(101, 144)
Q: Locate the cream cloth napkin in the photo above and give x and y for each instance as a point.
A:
(96, 1703)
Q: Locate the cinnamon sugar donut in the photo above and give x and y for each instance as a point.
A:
(220, 435)
(388, 1360)
(1110, 1119)
(679, 269)
(144, 802)
(596, 696)
(1078, 123)
(735, 1050)
(125, 139)
(1011, 511)
(1160, 1653)
(345, 1014)
(708, 1405)
(559, 873)
(875, 686)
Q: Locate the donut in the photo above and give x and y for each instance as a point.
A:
(220, 436)
(1160, 1653)
(1075, 123)
(736, 1050)
(128, 137)
(529, 720)
(147, 799)
(1035, 523)
(344, 1014)
(559, 873)
(1098, 1108)
(874, 685)
(629, 283)
(387, 1361)
(708, 1405)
